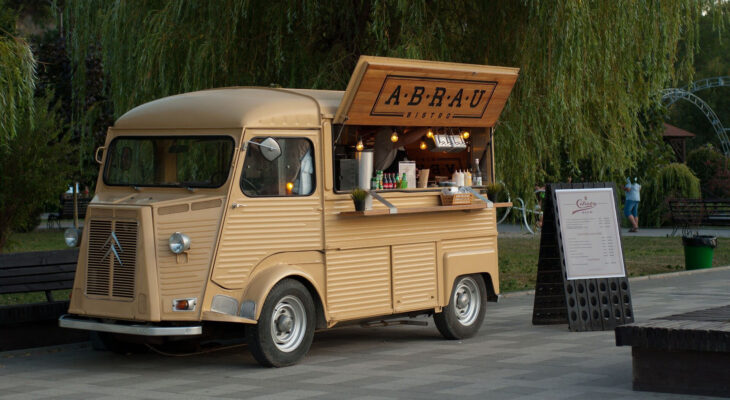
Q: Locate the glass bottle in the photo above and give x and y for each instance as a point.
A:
(476, 173)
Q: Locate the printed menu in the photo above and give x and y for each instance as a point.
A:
(590, 233)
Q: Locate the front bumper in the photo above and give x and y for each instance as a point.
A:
(70, 321)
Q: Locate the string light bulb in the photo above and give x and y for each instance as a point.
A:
(429, 134)
(360, 146)
(394, 136)
(465, 134)
(423, 145)
(289, 187)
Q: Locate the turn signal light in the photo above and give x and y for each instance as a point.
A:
(184, 304)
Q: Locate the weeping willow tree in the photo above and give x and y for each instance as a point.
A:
(589, 69)
(17, 78)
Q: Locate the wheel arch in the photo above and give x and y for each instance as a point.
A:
(266, 278)
(481, 262)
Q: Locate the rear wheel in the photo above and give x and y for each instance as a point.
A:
(464, 314)
(285, 328)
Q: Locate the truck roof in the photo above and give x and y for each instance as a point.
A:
(234, 107)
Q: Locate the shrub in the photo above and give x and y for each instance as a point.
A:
(719, 185)
(671, 181)
(34, 167)
(710, 166)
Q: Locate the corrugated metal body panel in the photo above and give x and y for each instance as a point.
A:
(349, 232)
(414, 276)
(479, 243)
(189, 276)
(358, 283)
(263, 227)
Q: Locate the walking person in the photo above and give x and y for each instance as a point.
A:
(631, 208)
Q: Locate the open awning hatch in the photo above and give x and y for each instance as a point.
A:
(399, 92)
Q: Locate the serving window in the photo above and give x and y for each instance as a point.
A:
(433, 154)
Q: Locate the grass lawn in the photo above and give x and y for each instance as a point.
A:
(643, 255)
(34, 241)
(517, 259)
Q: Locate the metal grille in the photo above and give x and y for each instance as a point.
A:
(107, 274)
(97, 273)
(123, 282)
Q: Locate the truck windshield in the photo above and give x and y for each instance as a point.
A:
(172, 161)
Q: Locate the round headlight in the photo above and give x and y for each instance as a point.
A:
(71, 237)
(179, 242)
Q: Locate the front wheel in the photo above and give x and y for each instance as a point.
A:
(464, 314)
(286, 326)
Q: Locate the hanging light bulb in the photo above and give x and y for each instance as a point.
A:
(394, 136)
(423, 145)
(465, 134)
(429, 134)
(360, 146)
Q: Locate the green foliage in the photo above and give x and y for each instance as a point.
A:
(358, 194)
(494, 189)
(17, 77)
(34, 168)
(712, 60)
(588, 69)
(710, 166)
(671, 181)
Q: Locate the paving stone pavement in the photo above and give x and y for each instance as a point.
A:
(509, 359)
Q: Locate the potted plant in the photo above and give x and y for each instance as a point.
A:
(493, 189)
(358, 197)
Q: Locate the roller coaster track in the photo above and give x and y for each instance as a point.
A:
(708, 83)
(670, 96)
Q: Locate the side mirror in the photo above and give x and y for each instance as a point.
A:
(99, 153)
(270, 148)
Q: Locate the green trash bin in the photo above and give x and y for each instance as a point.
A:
(698, 251)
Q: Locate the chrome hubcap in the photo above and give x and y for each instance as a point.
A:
(467, 301)
(284, 323)
(288, 323)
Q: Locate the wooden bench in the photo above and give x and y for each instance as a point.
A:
(686, 353)
(67, 211)
(686, 213)
(42, 271)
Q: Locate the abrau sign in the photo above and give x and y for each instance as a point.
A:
(429, 98)
(424, 93)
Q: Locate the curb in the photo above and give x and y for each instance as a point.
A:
(632, 279)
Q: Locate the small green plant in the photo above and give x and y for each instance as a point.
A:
(493, 189)
(358, 194)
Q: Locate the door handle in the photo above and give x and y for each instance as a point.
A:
(237, 205)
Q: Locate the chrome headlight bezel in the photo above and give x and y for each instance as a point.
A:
(72, 237)
(179, 243)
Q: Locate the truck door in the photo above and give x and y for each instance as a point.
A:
(275, 205)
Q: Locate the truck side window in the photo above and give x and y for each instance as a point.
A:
(291, 174)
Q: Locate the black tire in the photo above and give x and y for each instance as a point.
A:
(288, 306)
(464, 314)
(104, 341)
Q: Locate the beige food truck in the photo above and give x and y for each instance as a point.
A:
(233, 206)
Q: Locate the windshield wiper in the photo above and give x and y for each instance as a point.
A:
(187, 185)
